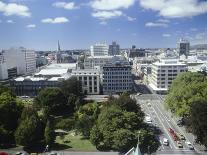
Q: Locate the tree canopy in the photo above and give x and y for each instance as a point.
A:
(10, 112)
(52, 101)
(118, 124)
(186, 89)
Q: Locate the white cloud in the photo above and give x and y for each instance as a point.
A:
(166, 35)
(14, 9)
(134, 34)
(154, 24)
(103, 15)
(55, 20)
(131, 19)
(31, 26)
(111, 4)
(64, 5)
(199, 38)
(10, 21)
(176, 8)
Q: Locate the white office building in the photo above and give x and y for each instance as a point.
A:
(99, 49)
(3, 68)
(164, 72)
(90, 79)
(23, 59)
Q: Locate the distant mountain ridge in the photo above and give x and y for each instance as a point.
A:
(202, 46)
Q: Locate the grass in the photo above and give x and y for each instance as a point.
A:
(74, 142)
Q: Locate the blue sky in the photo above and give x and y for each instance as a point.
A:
(39, 24)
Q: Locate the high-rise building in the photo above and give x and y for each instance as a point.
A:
(3, 68)
(183, 47)
(117, 78)
(99, 49)
(164, 72)
(24, 60)
(114, 49)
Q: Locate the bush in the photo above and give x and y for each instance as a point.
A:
(65, 124)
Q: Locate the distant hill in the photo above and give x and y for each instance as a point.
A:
(201, 46)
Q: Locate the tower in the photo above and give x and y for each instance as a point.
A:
(58, 53)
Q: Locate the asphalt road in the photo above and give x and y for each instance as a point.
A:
(152, 105)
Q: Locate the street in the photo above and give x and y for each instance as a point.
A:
(153, 106)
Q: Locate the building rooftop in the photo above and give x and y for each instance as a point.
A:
(52, 72)
(62, 66)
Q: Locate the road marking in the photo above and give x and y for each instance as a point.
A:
(165, 128)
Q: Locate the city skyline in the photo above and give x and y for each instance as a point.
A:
(78, 24)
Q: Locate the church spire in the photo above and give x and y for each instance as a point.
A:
(58, 47)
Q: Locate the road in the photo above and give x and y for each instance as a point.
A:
(152, 105)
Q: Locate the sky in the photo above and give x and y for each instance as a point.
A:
(77, 24)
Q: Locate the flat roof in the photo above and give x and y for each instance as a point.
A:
(47, 72)
(62, 66)
(157, 89)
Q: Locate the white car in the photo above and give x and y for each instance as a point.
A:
(190, 146)
(148, 119)
(165, 141)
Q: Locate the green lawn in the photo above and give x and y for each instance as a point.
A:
(74, 143)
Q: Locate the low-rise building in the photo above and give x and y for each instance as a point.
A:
(93, 61)
(90, 80)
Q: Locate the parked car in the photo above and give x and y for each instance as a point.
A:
(179, 144)
(4, 153)
(165, 141)
(189, 145)
(181, 137)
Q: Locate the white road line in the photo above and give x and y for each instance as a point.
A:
(164, 128)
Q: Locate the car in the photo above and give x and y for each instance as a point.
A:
(189, 145)
(165, 141)
(175, 137)
(181, 137)
(4, 153)
(20, 153)
(170, 130)
(179, 144)
(149, 104)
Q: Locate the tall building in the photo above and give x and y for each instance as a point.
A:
(163, 73)
(3, 68)
(114, 49)
(24, 60)
(117, 78)
(99, 49)
(183, 47)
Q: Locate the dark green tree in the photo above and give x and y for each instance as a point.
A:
(49, 133)
(112, 125)
(28, 132)
(10, 112)
(86, 117)
(197, 121)
(71, 86)
(52, 101)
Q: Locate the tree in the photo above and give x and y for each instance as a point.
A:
(49, 133)
(197, 121)
(10, 112)
(71, 86)
(28, 132)
(113, 125)
(52, 101)
(186, 89)
(86, 117)
(148, 142)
